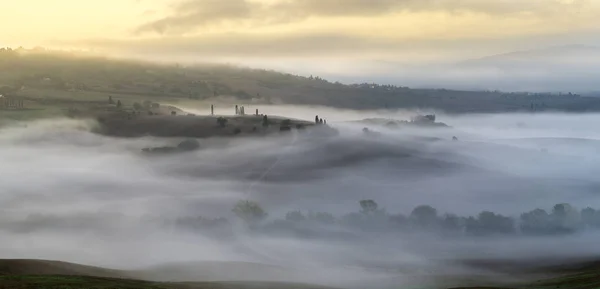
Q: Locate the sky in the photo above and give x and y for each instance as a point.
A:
(290, 34)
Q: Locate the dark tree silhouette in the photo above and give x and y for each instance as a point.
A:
(491, 223)
(424, 216)
(265, 121)
(250, 212)
(565, 219)
(536, 222)
(368, 206)
(452, 224)
(119, 104)
(110, 100)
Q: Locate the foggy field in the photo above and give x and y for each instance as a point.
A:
(71, 195)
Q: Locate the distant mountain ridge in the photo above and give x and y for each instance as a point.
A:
(550, 54)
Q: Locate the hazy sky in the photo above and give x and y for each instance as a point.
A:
(284, 27)
(327, 37)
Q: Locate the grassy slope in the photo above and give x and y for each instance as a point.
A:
(52, 274)
(34, 274)
(85, 282)
(586, 279)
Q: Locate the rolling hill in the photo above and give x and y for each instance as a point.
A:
(50, 81)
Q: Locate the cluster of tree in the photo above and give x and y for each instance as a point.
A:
(317, 78)
(240, 110)
(562, 219)
(320, 120)
(7, 52)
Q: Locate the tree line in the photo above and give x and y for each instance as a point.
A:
(562, 219)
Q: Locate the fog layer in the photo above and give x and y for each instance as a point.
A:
(68, 194)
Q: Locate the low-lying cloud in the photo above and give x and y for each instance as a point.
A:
(72, 195)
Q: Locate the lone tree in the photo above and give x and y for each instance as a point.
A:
(110, 100)
(316, 119)
(119, 104)
(212, 109)
(237, 110)
(368, 206)
(250, 212)
(222, 121)
(257, 111)
(265, 121)
(424, 216)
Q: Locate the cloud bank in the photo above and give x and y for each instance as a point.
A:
(82, 188)
(189, 15)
